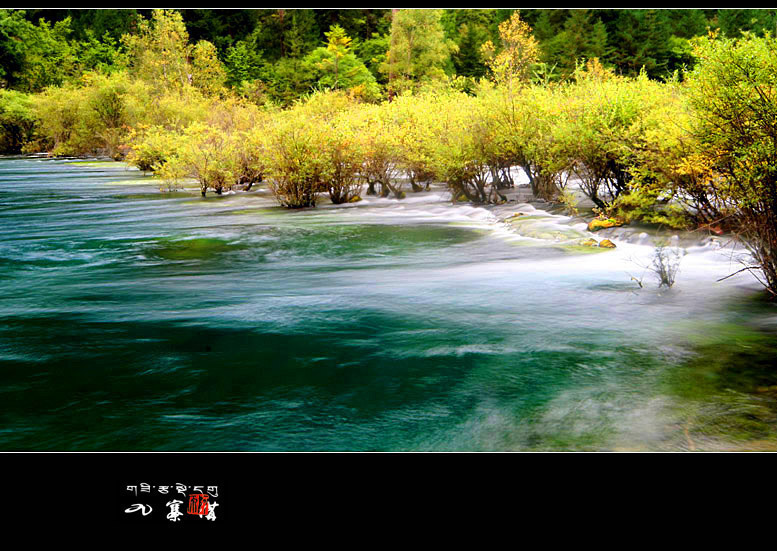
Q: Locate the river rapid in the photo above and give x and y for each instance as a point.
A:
(135, 319)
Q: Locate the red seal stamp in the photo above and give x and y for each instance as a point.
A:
(198, 504)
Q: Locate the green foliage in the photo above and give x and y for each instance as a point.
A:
(220, 151)
(418, 50)
(289, 79)
(337, 67)
(151, 147)
(161, 55)
(650, 204)
(244, 63)
(733, 22)
(643, 37)
(103, 55)
(342, 150)
(449, 136)
(469, 30)
(221, 27)
(372, 52)
(17, 121)
(98, 22)
(284, 33)
(298, 162)
(92, 116)
(34, 56)
(604, 123)
(735, 94)
(206, 154)
(583, 38)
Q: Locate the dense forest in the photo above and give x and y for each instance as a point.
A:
(664, 116)
(276, 53)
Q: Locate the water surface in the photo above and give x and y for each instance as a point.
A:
(132, 319)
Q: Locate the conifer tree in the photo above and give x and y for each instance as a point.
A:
(418, 49)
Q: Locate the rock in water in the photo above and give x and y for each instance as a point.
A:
(600, 224)
(607, 244)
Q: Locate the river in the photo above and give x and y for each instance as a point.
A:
(134, 319)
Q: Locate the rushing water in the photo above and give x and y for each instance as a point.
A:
(132, 319)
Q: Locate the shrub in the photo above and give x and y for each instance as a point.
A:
(151, 147)
(206, 154)
(381, 147)
(666, 262)
(64, 120)
(462, 147)
(524, 123)
(295, 161)
(412, 116)
(735, 96)
(92, 116)
(17, 121)
(344, 156)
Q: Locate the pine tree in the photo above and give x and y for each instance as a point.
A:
(338, 46)
(418, 49)
(584, 37)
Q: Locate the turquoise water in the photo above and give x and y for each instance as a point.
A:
(132, 319)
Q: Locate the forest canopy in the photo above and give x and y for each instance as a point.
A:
(277, 54)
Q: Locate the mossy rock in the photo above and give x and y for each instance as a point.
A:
(600, 224)
(590, 242)
(401, 195)
(354, 199)
(607, 244)
(462, 198)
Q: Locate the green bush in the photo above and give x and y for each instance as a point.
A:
(17, 121)
(151, 147)
(295, 160)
